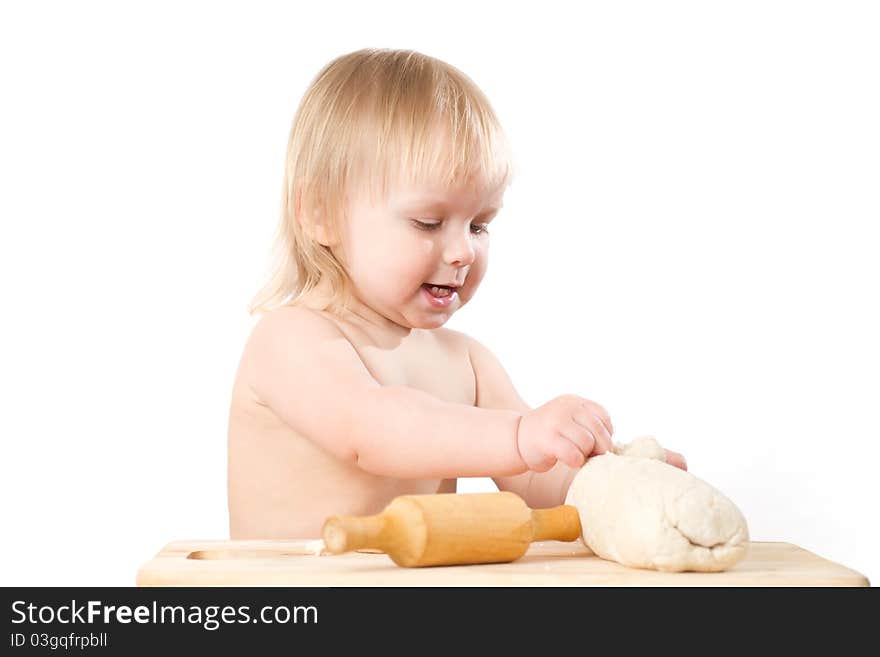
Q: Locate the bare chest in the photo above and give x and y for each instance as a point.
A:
(430, 361)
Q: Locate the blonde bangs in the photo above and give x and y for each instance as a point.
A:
(443, 137)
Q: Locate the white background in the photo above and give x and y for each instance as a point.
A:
(691, 241)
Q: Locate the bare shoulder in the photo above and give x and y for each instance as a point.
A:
(297, 359)
(452, 339)
(297, 324)
(494, 387)
(475, 351)
(284, 333)
(462, 345)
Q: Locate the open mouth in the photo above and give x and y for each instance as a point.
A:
(439, 291)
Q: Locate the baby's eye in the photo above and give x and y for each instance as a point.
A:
(476, 229)
(421, 225)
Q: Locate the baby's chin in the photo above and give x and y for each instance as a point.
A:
(436, 319)
(428, 325)
(429, 321)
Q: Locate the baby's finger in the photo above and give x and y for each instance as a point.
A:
(606, 422)
(543, 465)
(582, 437)
(569, 452)
(676, 459)
(601, 413)
(602, 435)
(590, 423)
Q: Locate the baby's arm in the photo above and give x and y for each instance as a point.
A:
(309, 374)
(496, 391)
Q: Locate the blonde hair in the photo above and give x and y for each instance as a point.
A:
(372, 116)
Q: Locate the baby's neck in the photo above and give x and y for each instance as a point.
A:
(381, 329)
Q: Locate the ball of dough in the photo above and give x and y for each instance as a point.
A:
(642, 512)
(644, 446)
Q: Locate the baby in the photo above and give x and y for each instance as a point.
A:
(350, 391)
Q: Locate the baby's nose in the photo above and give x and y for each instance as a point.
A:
(459, 251)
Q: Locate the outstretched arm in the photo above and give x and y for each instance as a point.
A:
(496, 391)
(308, 373)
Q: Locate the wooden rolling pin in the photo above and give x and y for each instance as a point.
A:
(450, 528)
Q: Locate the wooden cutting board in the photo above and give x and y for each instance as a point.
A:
(548, 563)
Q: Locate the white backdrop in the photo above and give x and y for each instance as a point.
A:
(691, 241)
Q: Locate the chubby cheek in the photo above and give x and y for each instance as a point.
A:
(475, 275)
(407, 264)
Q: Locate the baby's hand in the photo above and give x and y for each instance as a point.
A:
(676, 459)
(568, 429)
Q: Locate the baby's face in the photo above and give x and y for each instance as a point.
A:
(415, 237)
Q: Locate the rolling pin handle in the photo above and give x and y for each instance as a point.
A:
(561, 523)
(347, 533)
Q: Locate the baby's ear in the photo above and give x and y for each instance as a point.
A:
(314, 223)
(322, 234)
